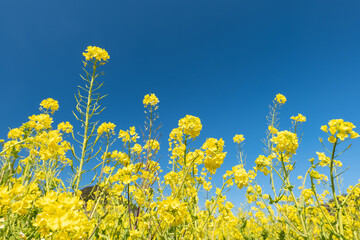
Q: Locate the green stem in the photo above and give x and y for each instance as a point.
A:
(215, 204)
(338, 206)
(287, 183)
(86, 129)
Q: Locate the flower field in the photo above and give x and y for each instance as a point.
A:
(131, 197)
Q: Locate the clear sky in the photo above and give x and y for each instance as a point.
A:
(223, 61)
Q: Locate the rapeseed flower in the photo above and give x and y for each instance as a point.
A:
(190, 125)
(172, 211)
(105, 128)
(241, 177)
(65, 127)
(15, 133)
(280, 98)
(96, 53)
(238, 138)
(150, 99)
(286, 142)
(339, 129)
(214, 155)
(299, 118)
(51, 104)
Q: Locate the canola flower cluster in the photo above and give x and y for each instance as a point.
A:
(238, 138)
(62, 213)
(190, 125)
(150, 99)
(51, 104)
(285, 142)
(214, 155)
(105, 128)
(130, 197)
(339, 130)
(96, 53)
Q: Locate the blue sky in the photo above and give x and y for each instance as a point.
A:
(223, 61)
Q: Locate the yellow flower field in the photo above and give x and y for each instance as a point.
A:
(133, 198)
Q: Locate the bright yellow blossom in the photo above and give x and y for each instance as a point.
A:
(299, 118)
(238, 138)
(172, 211)
(124, 135)
(323, 159)
(152, 144)
(339, 129)
(96, 53)
(280, 98)
(324, 128)
(66, 127)
(150, 99)
(105, 128)
(15, 133)
(214, 154)
(136, 148)
(241, 177)
(190, 125)
(51, 104)
(286, 142)
(262, 163)
(61, 214)
(272, 130)
(39, 122)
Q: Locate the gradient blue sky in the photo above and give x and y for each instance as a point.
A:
(223, 61)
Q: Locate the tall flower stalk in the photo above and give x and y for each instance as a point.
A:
(88, 106)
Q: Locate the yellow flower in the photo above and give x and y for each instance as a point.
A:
(132, 131)
(214, 154)
(332, 139)
(299, 118)
(51, 104)
(66, 127)
(266, 196)
(262, 163)
(52, 146)
(61, 213)
(121, 157)
(241, 176)
(136, 148)
(172, 211)
(150, 99)
(129, 135)
(286, 142)
(39, 122)
(124, 135)
(176, 134)
(354, 134)
(190, 125)
(96, 53)
(340, 129)
(107, 169)
(152, 144)
(324, 128)
(134, 235)
(238, 138)
(105, 127)
(207, 186)
(338, 163)
(280, 98)
(307, 194)
(324, 160)
(272, 130)
(15, 133)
